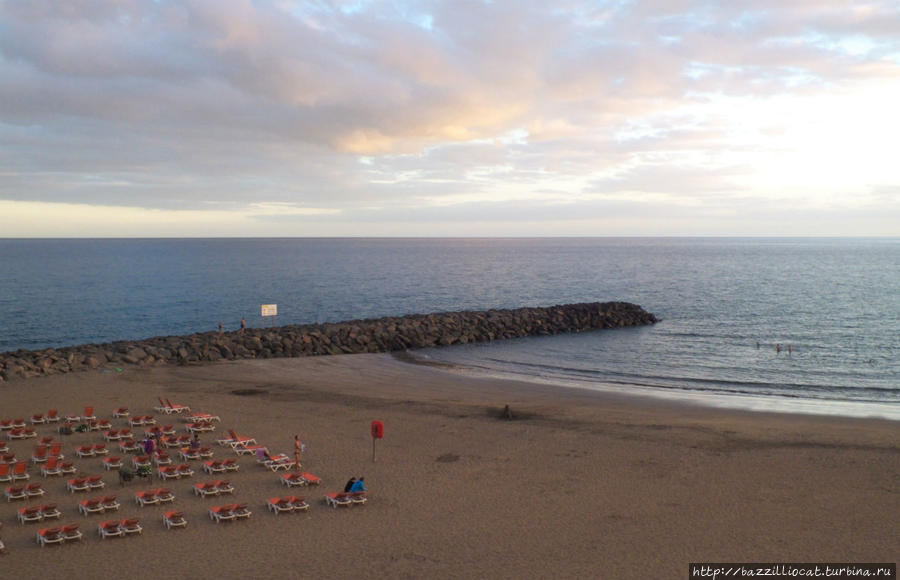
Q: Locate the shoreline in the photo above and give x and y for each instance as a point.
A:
(699, 398)
(580, 484)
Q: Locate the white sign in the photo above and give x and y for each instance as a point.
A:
(269, 309)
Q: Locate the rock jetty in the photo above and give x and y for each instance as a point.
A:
(356, 336)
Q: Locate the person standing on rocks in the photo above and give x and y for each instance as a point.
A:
(243, 325)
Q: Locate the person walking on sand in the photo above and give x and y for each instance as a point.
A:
(298, 448)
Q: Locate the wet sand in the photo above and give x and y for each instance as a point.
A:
(577, 485)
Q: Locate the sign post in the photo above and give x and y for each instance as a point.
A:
(270, 310)
(377, 433)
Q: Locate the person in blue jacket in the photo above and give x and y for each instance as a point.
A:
(358, 485)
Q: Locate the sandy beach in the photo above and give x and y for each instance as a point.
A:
(577, 485)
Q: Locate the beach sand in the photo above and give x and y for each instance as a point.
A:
(578, 485)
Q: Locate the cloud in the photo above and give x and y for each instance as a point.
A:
(427, 105)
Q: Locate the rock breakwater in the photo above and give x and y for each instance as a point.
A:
(356, 336)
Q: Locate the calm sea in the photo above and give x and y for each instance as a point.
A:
(724, 305)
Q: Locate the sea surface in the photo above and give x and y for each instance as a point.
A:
(833, 305)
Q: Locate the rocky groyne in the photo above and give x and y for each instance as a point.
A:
(355, 336)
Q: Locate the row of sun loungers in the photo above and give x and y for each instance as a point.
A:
(345, 499)
(20, 433)
(228, 512)
(67, 533)
(98, 505)
(14, 471)
(38, 513)
(54, 466)
(16, 492)
(288, 504)
(300, 479)
(112, 528)
(154, 496)
(84, 483)
(168, 407)
(213, 488)
(91, 450)
(216, 466)
(175, 471)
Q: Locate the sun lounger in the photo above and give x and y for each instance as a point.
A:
(358, 497)
(109, 529)
(140, 461)
(104, 425)
(224, 486)
(15, 492)
(38, 419)
(109, 502)
(71, 533)
(174, 519)
(221, 513)
(77, 484)
(34, 490)
(95, 482)
(310, 478)
(162, 458)
(112, 435)
(49, 536)
(178, 408)
(49, 511)
(129, 446)
(336, 499)
(213, 466)
(5, 472)
(114, 462)
(52, 416)
(100, 449)
(184, 470)
(145, 498)
(29, 514)
(8, 457)
(230, 465)
(121, 413)
(85, 451)
(164, 495)
(55, 450)
(19, 471)
(88, 415)
(188, 454)
(167, 472)
(281, 465)
(67, 468)
(131, 526)
(39, 455)
(90, 506)
(206, 488)
(292, 479)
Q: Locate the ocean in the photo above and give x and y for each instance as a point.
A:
(724, 304)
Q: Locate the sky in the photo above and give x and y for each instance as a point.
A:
(211, 118)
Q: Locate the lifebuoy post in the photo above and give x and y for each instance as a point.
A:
(377, 433)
